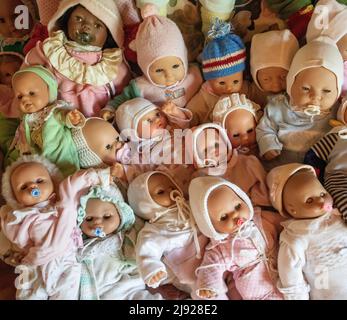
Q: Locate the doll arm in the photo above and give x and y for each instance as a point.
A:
(199, 108)
(160, 4)
(291, 260)
(150, 248)
(210, 274)
(266, 132)
(180, 117)
(70, 118)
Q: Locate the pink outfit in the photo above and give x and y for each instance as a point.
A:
(89, 99)
(250, 261)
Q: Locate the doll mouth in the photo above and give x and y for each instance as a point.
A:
(84, 38)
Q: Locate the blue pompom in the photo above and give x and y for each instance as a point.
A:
(219, 29)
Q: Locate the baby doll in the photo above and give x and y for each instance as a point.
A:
(42, 227)
(271, 54)
(46, 123)
(239, 117)
(84, 53)
(292, 124)
(168, 246)
(243, 241)
(329, 19)
(311, 258)
(13, 38)
(107, 259)
(296, 14)
(223, 63)
(162, 57)
(213, 155)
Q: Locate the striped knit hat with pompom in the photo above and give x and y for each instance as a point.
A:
(224, 54)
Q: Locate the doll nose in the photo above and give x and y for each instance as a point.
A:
(97, 221)
(86, 27)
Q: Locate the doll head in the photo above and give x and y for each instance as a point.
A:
(209, 145)
(329, 19)
(161, 51)
(29, 181)
(9, 64)
(219, 207)
(272, 53)
(103, 211)
(94, 149)
(8, 17)
(223, 59)
(238, 116)
(142, 117)
(295, 191)
(34, 88)
(95, 23)
(315, 77)
(152, 194)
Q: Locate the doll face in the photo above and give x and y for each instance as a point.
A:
(100, 214)
(152, 124)
(31, 92)
(304, 197)
(211, 147)
(8, 18)
(314, 86)
(227, 85)
(342, 45)
(31, 184)
(272, 79)
(86, 29)
(160, 187)
(240, 126)
(105, 143)
(226, 210)
(167, 71)
(7, 70)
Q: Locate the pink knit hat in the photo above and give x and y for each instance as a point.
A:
(105, 10)
(276, 180)
(47, 8)
(158, 37)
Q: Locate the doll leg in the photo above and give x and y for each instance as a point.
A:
(336, 185)
(212, 9)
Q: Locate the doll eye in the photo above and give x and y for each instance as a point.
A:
(149, 120)
(19, 97)
(39, 180)
(250, 130)
(175, 66)
(23, 187)
(326, 91)
(309, 200)
(108, 147)
(306, 89)
(238, 207)
(160, 192)
(31, 93)
(107, 216)
(89, 219)
(159, 70)
(78, 19)
(236, 81)
(222, 83)
(157, 114)
(224, 217)
(236, 135)
(98, 26)
(323, 194)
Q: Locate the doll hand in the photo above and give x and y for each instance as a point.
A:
(117, 171)
(171, 109)
(271, 154)
(158, 277)
(208, 294)
(75, 117)
(106, 114)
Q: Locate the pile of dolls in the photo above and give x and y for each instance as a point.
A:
(157, 149)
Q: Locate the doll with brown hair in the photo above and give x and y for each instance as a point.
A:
(168, 246)
(84, 52)
(225, 215)
(311, 259)
(293, 122)
(163, 59)
(45, 122)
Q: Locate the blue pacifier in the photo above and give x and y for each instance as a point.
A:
(35, 192)
(98, 232)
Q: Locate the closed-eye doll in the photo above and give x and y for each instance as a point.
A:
(312, 256)
(328, 19)
(45, 122)
(243, 242)
(168, 246)
(292, 123)
(239, 117)
(40, 221)
(107, 258)
(223, 63)
(163, 59)
(271, 55)
(213, 155)
(84, 53)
